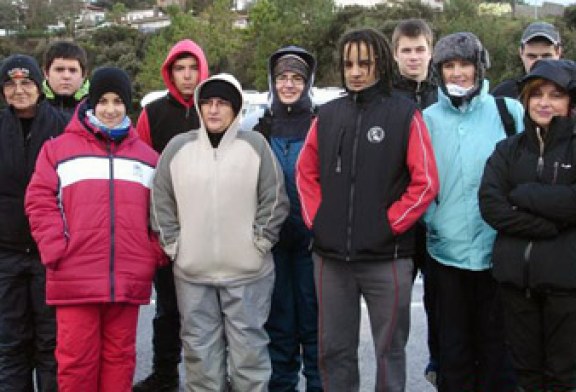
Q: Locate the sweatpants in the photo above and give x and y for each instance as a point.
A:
(96, 348)
(223, 336)
(27, 325)
(540, 331)
(386, 287)
(472, 349)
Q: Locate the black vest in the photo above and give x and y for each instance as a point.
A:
(362, 147)
(168, 118)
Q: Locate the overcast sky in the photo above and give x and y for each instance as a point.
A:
(563, 2)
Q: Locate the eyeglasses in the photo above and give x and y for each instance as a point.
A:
(11, 85)
(296, 80)
(218, 102)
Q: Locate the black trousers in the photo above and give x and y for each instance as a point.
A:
(27, 325)
(541, 332)
(472, 351)
(166, 343)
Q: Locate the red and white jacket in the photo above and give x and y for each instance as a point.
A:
(88, 206)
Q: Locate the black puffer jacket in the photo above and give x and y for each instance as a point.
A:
(17, 161)
(528, 194)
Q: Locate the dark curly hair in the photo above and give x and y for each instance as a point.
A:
(383, 58)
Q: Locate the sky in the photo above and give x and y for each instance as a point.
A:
(563, 2)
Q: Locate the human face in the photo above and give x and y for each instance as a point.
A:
(184, 75)
(546, 102)
(536, 50)
(359, 66)
(64, 76)
(413, 55)
(459, 72)
(289, 86)
(22, 94)
(217, 114)
(110, 110)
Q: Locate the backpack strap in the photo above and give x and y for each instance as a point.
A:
(505, 116)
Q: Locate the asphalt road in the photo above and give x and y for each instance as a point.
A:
(417, 352)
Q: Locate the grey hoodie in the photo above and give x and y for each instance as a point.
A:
(218, 211)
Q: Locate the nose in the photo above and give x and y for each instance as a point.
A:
(544, 100)
(213, 108)
(457, 70)
(355, 70)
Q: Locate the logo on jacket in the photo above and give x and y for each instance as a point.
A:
(137, 171)
(375, 135)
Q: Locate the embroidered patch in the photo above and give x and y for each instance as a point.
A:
(375, 135)
(18, 73)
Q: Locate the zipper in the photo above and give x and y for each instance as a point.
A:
(112, 218)
(352, 185)
(540, 164)
(527, 254)
(555, 177)
(339, 152)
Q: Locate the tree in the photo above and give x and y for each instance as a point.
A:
(213, 30)
(277, 23)
(117, 13)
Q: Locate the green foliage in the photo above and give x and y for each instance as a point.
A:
(570, 17)
(313, 24)
(118, 46)
(277, 23)
(116, 13)
(213, 30)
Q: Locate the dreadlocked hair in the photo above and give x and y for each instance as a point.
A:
(381, 50)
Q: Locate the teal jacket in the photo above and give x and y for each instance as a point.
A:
(463, 139)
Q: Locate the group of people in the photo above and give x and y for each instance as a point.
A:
(262, 243)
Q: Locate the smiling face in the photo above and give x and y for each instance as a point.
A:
(110, 110)
(459, 72)
(289, 86)
(546, 101)
(64, 76)
(359, 66)
(22, 94)
(413, 55)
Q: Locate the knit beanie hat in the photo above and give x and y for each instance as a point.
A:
(293, 63)
(110, 80)
(21, 66)
(218, 88)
